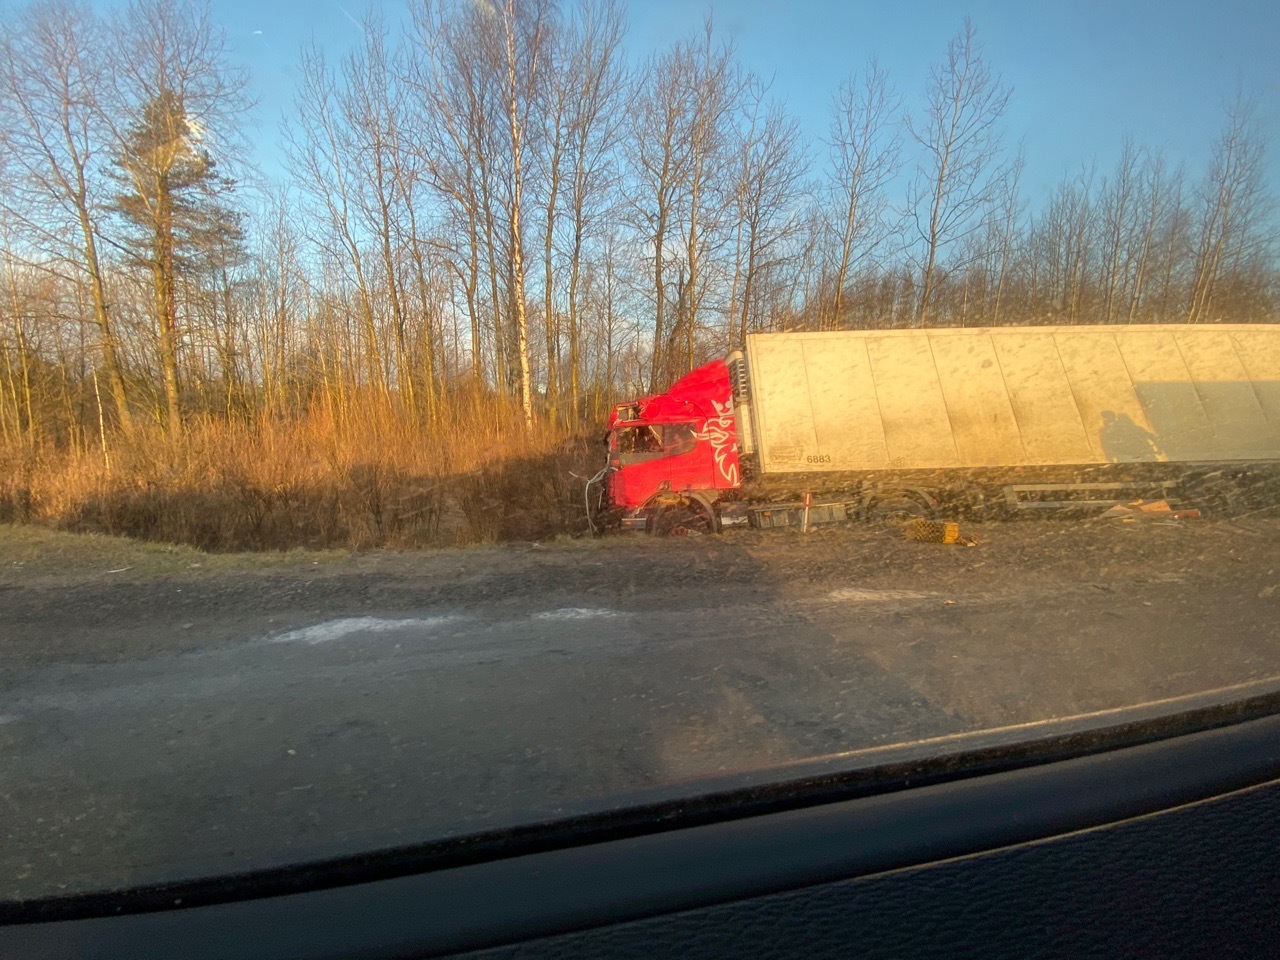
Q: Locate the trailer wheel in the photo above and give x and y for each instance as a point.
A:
(898, 509)
(681, 520)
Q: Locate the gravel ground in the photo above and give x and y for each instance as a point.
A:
(168, 714)
(65, 598)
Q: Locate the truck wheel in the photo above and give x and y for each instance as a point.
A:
(898, 509)
(681, 521)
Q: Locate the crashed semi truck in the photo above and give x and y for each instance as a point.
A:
(894, 424)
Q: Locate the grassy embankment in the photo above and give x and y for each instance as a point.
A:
(373, 477)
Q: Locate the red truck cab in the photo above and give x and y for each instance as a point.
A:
(673, 454)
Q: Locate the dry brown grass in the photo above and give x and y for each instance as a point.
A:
(368, 476)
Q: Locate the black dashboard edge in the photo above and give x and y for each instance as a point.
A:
(791, 786)
(579, 887)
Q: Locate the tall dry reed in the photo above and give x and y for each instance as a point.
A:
(366, 475)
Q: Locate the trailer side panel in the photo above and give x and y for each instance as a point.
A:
(1015, 396)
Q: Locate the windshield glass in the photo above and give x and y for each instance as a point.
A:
(650, 441)
(635, 444)
(936, 361)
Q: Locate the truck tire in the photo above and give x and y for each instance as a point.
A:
(681, 520)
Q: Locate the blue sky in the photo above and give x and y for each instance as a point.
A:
(1084, 72)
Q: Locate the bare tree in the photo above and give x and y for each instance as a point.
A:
(557, 94)
(483, 72)
(58, 140)
(659, 155)
(1063, 240)
(682, 154)
(864, 151)
(19, 421)
(409, 188)
(323, 158)
(1234, 208)
(525, 45)
(1118, 210)
(370, 104)
(719, 88)
(960, 137)
(1003, 236)
(767, 203)
(452, 117)
(598, 78)
(1158, 242)
(277, 301)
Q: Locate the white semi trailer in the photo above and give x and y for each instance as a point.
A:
(891, 422)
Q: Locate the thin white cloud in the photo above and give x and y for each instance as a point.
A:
(354, 21)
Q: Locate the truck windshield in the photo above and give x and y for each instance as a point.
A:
(310, 546)
(653, 441)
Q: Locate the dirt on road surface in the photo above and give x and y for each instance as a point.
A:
(93, 599)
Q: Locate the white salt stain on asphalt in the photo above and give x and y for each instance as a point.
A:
(859, 595)
(332, 630)
(578, 613)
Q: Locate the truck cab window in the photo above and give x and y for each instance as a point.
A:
(651, 441)
(678, 438)
(637, 444)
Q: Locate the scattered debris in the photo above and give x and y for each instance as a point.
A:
(936, 531)
(1159, 510)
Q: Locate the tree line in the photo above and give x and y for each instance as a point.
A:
(491, 211)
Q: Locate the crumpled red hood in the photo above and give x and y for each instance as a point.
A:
(692, 397)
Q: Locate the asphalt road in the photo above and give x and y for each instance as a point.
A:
(249, 737)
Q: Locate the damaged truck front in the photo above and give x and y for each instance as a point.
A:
(816, 427)
(673, 463)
